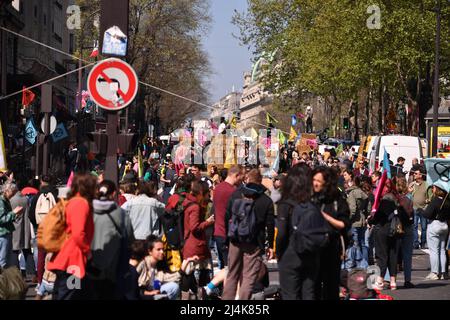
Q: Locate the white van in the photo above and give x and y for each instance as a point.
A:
(396, 146)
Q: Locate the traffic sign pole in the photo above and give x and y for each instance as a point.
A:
(111, 167)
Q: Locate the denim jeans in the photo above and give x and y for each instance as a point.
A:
(45, 287)
(369, 243)
(420, 219)
(5, 250)
(358, 253)
(407, 246)
(437, 234)
(172, 289)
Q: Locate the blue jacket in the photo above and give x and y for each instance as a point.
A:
(144, 214)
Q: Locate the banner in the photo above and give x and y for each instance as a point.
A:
(438, 173)
(60, 133)
(3, 164)
(30, 131)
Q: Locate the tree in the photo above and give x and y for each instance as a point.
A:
(166, 52)
(329, 48)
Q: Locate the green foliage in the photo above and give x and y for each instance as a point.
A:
(324, 47)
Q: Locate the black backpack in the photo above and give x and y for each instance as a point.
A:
(310, 229)
(173, 224)
(242, 226)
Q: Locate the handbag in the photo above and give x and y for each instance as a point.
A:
(396, 226)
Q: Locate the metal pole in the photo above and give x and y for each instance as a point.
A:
(436, 80)
(111, 169)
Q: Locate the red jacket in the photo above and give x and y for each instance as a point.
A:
(194, 230)
(80, 227)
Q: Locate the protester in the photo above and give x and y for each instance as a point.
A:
(245, 255)
(21, 237)
(360, 207)
(155, 277)
(298, 272)
(407, 240)
(386, 244)
(169, 180)
(112, 236)
(196, 244)
(334, 208)
(438, 213)
(222, 194)
(69, 264)
(7, 218)
(420, 195)
(144, 211)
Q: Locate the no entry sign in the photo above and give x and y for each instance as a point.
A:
(112, 84)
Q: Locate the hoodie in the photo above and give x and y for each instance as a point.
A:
(107, 241)
(264, 209)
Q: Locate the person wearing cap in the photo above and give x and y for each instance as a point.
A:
(420, 196)
(438, 213)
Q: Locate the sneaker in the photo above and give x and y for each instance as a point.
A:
(424, 247)
(445, 276)
(432, 276)
(416, 247)
(408, 285)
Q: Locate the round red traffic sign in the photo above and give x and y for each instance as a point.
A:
(112, 84)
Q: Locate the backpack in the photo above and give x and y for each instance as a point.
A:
(52, 231)
(12, 285)
(172, 222)
(310, 229)
(44, 204)
(242, 226)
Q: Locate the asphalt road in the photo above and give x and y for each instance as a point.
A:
(424, 289)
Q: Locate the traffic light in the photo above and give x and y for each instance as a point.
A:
(346, 123)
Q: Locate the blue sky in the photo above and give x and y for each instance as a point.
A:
(228, 58)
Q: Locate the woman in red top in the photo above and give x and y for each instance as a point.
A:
(69, 264)
(196, 249)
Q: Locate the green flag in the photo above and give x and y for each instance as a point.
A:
(339, 149)
(281, 137)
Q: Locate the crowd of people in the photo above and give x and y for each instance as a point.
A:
(184, 232)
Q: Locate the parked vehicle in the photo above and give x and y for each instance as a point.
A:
(407, 147)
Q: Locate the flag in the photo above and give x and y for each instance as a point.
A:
(281, 137)
(438, 172)
(386, 165)
(3, 164)
(293, 120)
(276, 163)
(379, 192)
(233, 122)
(94, 52)
(292, 135)
(30, 131)
(27, 97)
(60, 133)
(270, 119)
(339, 149)
(254, 134)
(140, 164)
